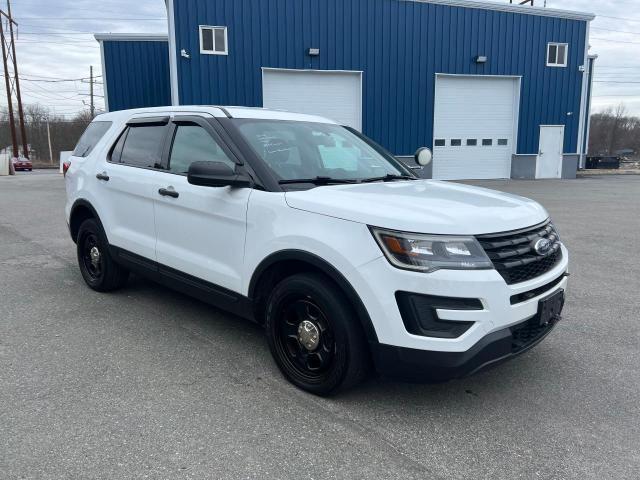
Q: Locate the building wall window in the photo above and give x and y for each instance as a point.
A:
(557, 54)
(213, 40)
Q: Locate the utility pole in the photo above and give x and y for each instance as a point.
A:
(93, 105)
(12, 124)
(23, 131)
(12, 84)
(49, 139)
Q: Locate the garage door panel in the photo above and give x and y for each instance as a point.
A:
(335, 95)
(477, 108)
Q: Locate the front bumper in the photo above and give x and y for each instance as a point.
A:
(430, 366)
(492, 338)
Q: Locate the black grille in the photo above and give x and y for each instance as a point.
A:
(526, 333)
(528, 295)
(513, 254)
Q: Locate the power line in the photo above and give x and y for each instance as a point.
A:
(46, 44)
(145, 19)
(613, 81)
(55, 81)
(620, 18)
(58, 79)
(613, 41)
(77, 32)
(617, 31)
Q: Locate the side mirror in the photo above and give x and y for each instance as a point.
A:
(423, 156)
(216, 174)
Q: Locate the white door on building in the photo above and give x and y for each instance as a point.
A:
(549, 163)
(336, 95)
(475, 126)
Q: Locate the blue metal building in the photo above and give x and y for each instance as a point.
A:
(496, 90)
(135, 70)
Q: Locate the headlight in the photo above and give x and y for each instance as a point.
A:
(426, 253)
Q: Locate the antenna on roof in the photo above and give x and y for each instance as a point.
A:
(524, 2)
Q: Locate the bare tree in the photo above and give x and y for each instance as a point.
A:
(65, 132)
(612, 130)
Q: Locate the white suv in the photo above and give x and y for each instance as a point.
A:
(345, 256)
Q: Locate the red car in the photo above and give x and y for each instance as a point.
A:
(22, 164)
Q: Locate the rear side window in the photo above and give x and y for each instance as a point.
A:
(140, 146)
(90, 138)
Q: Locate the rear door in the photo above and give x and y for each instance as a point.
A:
(200, 230)
(125, 184)
(549, 164)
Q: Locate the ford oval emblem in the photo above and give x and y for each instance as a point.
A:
(542, 246)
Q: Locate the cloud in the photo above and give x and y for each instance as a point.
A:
(56, 40)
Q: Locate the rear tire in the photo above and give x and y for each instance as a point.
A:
(315, 336)
(98, 269)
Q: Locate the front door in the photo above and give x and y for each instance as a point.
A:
(200, 230)
(549, 164)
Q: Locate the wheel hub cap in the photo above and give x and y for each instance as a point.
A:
(94, 253)
(308, 335)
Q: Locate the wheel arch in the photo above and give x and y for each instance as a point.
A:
(279, 265)
(81, 211)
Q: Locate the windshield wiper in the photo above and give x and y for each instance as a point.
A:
(387, 178)
(317, 180)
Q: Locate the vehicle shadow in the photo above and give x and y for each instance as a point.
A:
(244, 339)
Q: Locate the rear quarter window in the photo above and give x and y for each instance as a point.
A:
(90, 138)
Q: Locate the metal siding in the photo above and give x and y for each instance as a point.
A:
(137, 73)
(399, 45)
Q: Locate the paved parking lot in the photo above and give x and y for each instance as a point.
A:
(150, 383)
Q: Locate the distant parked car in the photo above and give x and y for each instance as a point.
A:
(22, 164)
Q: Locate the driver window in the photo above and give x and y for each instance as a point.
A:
(193, 143)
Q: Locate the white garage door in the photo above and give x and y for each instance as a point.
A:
(475, 126)
(331, 94)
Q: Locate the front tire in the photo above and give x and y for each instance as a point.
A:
(315, 336)
(98, 269)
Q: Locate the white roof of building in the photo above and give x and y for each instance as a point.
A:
(127, 37)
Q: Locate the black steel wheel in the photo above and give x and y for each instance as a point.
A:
(91, 256)
(314, 335)
(98, 269)
(305, 338)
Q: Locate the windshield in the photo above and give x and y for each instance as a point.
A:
(304, 150)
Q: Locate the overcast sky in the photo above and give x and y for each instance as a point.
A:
(56, 42)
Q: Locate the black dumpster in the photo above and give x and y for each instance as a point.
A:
(603, 161)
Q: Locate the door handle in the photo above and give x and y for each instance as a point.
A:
(168, 192)
(103, 176)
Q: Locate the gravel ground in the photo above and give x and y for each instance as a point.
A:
(148, 383)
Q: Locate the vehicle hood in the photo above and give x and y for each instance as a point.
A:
(423, 206)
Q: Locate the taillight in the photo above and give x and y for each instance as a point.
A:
(65, 167)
